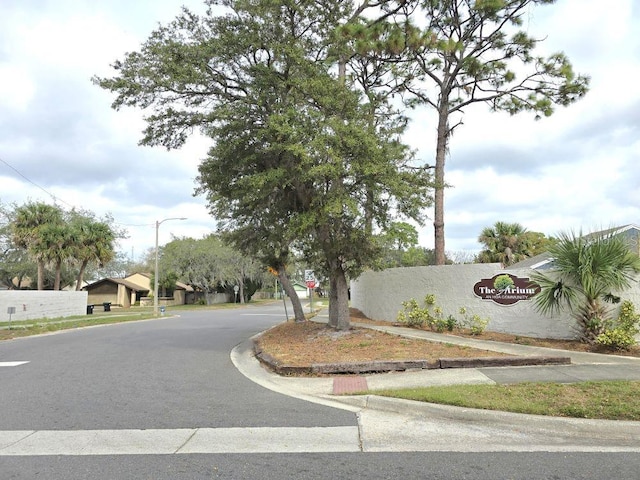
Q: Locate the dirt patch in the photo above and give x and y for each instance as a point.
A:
(308, 343)
(358, 317)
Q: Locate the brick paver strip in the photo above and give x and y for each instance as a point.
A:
(349, 384)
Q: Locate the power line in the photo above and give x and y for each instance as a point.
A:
(55, 199)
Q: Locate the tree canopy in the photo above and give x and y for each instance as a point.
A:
(210, 265)
(298, 99)
(306, 147)
(58, 239)
(475, 51)
(508, 243)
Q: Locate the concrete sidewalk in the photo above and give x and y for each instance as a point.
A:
(425, 425)
(584, 367)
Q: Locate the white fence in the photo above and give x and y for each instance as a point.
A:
(33, 304)
(379, 295)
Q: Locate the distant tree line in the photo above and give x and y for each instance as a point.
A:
(210, 265)
(52, 247)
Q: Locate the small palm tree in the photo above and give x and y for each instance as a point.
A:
(27, 227)
(586, 273)
(56, 245)
(502, 243)
(94, 243)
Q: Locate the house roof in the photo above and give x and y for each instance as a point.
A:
(184, 286)
(120, 281)
(613, 231)
(134, 286)
(535, 263)
(545, 260)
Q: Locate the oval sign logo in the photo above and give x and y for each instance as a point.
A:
(505, 289)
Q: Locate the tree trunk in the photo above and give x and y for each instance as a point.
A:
(341, 310)
(590, 321)
(40, 275)
(338, 296)
(81, 275)
(441, 154)
(298, 312)
(56, 282)
(241, 290)
(333, 302)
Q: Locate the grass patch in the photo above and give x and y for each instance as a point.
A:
(26, 328)
(611, 400)
(306, 343)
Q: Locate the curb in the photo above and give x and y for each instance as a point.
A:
(618, 432)
(385, 366)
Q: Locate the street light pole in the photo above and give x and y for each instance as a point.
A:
(155, 276)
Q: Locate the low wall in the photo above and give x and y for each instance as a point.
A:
(34, 304)
(215, 298)
(379, 295)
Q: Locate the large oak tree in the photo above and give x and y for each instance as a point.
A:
(303, 154)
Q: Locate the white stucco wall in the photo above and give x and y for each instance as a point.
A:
(33, 304)
(379, 295)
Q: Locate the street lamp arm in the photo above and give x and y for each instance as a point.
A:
(160, 222)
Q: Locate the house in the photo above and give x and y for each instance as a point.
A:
(133, 289)
(117, 291)
(301, 289)
(544, 261)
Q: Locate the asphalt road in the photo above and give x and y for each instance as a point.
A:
(160, 374)
(173, 377)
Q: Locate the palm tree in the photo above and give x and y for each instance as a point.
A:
(502, 243)
(94, 243)
(56, 245)
(27, 229)
(586, 273)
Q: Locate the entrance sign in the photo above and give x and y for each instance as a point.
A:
(505, 289)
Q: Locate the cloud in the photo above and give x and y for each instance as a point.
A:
(576, 169)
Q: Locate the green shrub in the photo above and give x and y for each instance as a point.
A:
(628, 318)
(620, 334)
(413, 315)
(431, 315)
(473, 322)
(616, 339)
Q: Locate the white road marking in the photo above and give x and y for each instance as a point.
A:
(11, 364)
(179, 441)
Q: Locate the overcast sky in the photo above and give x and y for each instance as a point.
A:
(60, 140)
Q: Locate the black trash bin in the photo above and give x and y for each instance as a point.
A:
(107, 306)
(89, 309)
